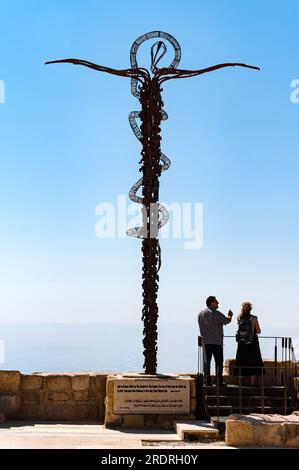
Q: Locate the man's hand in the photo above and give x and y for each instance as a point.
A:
(230, 316)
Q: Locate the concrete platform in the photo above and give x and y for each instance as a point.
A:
(51, 435)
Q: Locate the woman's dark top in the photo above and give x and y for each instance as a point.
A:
(249, 359)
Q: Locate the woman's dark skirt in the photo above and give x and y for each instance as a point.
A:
(249, 360)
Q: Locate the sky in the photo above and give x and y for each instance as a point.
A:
(66, 146)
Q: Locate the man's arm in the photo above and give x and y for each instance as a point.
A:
(225, 320)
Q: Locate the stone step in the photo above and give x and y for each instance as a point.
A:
(223, 410)
(269, 379)
(195, 430)
(250, 401)
(234, 390)
(253, 409)
(267, 409)
(9, 404)
(227, 410)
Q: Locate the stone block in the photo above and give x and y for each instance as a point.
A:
(291, 436)
(109, 397)
(100, 382)
(32, 411)
(60, 411)
(112, 421)
(238, 433)
(80, 382)
(165, 422)
(150, 421)
(10, 381)
(133, 421)
(58, 383)
(84, 395)
(71, 412)
(10, 404)
(257, 430)
(32, 396)
(92, 384)
(86, 412)
(58, 396)
(31, 382)
(152, 393)
(192, 389)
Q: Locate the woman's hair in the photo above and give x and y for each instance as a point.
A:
(245, 311)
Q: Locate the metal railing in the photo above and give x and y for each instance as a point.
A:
(284, 372)
(283, 347)
(253, 398)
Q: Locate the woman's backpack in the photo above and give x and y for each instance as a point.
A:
(245, 333)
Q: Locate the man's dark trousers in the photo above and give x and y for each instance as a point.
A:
(216, 351)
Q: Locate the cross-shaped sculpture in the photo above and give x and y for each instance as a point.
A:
(146, 86)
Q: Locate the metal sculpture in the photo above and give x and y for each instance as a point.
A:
(146, 87)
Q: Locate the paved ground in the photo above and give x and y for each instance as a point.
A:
(25, 434)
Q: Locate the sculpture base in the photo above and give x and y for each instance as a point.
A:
(148, 401)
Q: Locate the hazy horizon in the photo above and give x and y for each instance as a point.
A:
(32, 347)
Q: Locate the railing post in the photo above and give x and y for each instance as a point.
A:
(289, 360)
(293, 359)
(199, 344)
(282, 351)
(263, 392)
(275, 362)
(285, 399)
(217, 392)
(204, 357)
(240, 391)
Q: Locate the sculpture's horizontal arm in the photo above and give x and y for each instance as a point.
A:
(164, 74)
(131, 73)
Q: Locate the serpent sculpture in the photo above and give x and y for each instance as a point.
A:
(146, 86)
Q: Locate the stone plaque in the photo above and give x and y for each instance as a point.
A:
(134, 395)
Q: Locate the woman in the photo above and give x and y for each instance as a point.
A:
(249, 360)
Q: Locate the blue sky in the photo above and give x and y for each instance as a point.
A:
(66, 146)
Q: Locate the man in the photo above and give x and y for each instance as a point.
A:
(211, 323)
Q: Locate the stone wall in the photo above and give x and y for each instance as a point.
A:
(53, 396)
(10, 393)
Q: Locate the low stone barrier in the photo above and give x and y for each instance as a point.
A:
(282, 367)
(66, 396)
(258, 430)
(53, 396)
